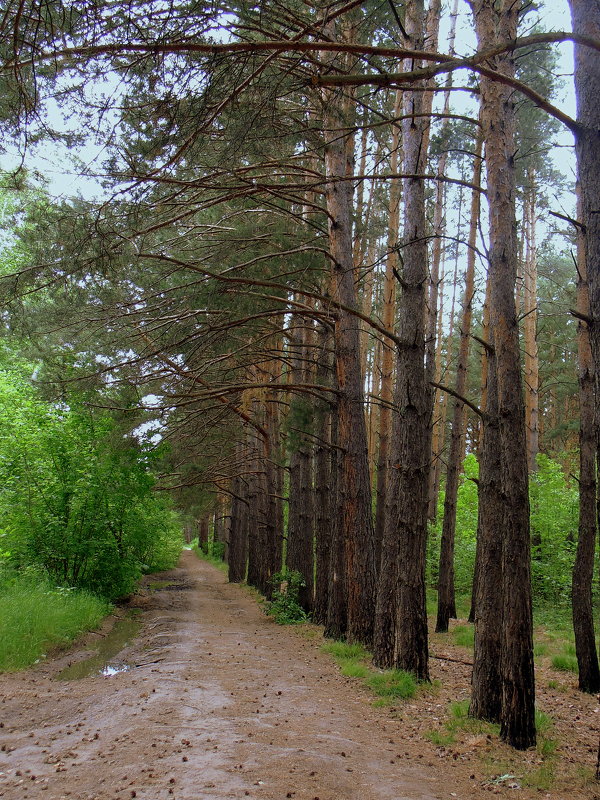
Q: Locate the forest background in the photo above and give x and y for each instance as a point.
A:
(287, 310)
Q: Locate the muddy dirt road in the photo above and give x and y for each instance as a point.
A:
(219, 702)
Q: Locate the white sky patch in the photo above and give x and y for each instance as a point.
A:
(150, 432)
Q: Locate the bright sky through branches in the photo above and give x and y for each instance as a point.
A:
(77, 169)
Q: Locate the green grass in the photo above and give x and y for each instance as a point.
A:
(393, 683)
(464, 635)
(386, 685)
(342, 651)
(354, 669)
(35, 617)
(218, 562)
(541, 778)
(440, 738)
(564, 663)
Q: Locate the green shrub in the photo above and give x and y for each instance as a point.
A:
(76, 495)
(285, 606)
(554, 511)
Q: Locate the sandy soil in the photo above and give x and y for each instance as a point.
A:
(221, 702)
(224, 704)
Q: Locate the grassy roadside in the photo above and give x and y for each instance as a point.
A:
(217, 560)
(388, 686)
(36, 616)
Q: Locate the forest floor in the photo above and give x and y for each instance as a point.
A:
(221, 702)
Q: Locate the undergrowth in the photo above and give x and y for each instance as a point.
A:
(284, 606)
(35, 616)
(215, 559)
(387, 685)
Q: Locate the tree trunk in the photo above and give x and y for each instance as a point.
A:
(203, 533)
(484, 404)
(337, 601)
(446, 600)
(531, 359)
(356, 523)
(487, 608)
(325, 510)
(586, 20)
(583, 569)
(496, 23)
(387, 356)
(406, 529)
(259, 574)
(238, 528)
(299, 556)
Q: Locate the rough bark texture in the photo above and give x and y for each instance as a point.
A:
(586, 20)
(385, 612)
(325, 511)
(274, 488)
(484, 404)
(583, 569)
(356, 523)
(203, 531)
(531, 359)
(337, 604)
(496, 22)
(446, 599)
(259, 574)
(409, 474)
(299, 556)
(238, 528)
(487, 609)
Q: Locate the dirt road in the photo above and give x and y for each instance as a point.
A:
(219, 702)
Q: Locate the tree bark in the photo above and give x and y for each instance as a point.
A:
(356, 523)
(325, 510)
(446, 600)
(337, 601)
(487, 607)
(403, 556)
(238, 527)
(583, 569)
(300, 538)
(386, 391)
(531, 359)
(496, 23)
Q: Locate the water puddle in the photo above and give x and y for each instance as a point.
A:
(105, 661)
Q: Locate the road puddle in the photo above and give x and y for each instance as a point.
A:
(105, 661)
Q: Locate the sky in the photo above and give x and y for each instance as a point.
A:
(65, 178)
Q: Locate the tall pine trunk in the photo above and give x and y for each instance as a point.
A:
(299, 556)
(356, 530)
(325, 510)
(496, 24)
(446, 600)
(406, 526)
(583, 569)
(238, 524)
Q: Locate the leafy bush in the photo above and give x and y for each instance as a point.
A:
(285, 606)
(76, 496)
(554, 524)
(466, 530)
(554, 511)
